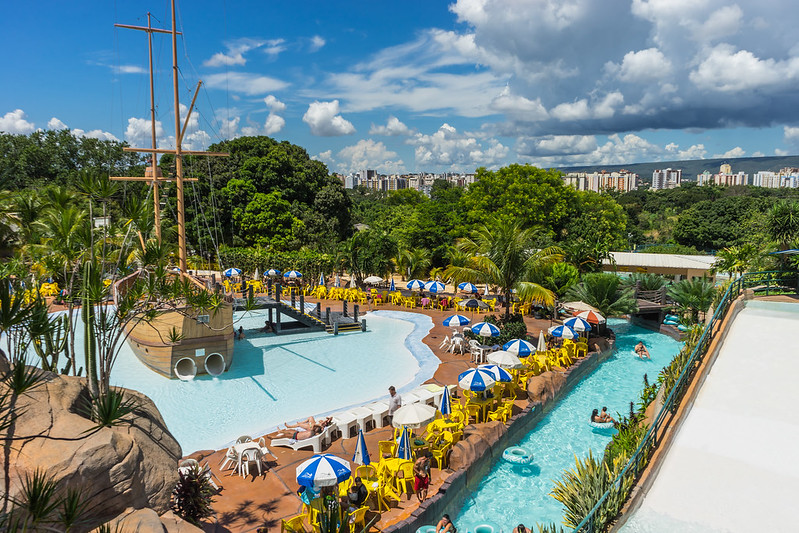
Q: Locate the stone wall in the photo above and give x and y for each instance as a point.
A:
(483, 444)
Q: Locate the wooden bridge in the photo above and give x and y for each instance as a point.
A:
(307, 315)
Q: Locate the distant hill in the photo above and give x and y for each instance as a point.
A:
(749, 165)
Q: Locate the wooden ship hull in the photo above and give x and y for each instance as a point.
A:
(205, 346)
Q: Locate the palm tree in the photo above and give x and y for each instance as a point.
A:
(645, 281)
(605, 292)
(505, 255)
(734, 260)
(693, 296)
(783, 223)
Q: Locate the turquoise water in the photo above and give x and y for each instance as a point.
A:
(513, 494)
(275, 379)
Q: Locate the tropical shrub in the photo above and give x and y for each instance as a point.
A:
(604, 292)
(193, 495)
(109, 408)
(648, 281)
(512, 327)
(693, 296)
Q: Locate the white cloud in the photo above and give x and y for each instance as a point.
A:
(244, 82)
(15, 122)
(274, 105)
(791, 134)
(317, 42)
(274, 47)
(447, 147)
(695, 151)
(274, 123)
(393, 127)
(615, 151)
(129, 69)
(781, 152)
(735, 152)
(557, 145)
(581, 110)
(644, 65)
(221, 59)
(326, 157)
(56, 124)
(518, 107)
(728, 70)
(138, 133)
(325, 121)
(367, 153)
(234, 56)
(758, 154)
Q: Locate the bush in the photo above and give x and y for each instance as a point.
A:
(193, 496)
(511, 328)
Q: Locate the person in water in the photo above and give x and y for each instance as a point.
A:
(520, 529)
(641, 350)
(241, 333)
(601, 418)
(445, 525)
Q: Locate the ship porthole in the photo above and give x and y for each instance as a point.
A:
(185, 369)
(215, 364)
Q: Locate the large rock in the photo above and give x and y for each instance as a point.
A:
(141, 520)
(133, 465)
(478, 440)
(543, 387)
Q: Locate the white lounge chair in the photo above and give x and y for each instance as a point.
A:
(345, 424)
(425, 395)
(379, 413)
(317, 442)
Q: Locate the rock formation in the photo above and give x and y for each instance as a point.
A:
(132, 465)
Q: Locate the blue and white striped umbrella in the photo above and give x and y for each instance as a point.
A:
(577, 324)
(392, 288)
(445, 405)
(476, 379)
(361, 455)
(272, 272)
(467, 287)
(564, 332)
(484, 329)
(292, 274)
(456, 320)
(324, 470)
(499, 373)
(415, 284)
(434, 286)
(520, 347)
(404, 445)
(322, 278)
(231, 272)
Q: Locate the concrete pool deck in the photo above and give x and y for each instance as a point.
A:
(730, 465)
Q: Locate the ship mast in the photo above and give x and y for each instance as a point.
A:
(154, 172)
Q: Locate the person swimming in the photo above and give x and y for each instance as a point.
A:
(641, 350)
(601, 418)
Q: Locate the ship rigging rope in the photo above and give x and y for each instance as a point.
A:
(198, 202)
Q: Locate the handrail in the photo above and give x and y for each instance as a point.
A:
(648, 443)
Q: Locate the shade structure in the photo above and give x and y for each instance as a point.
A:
(445, 405)
(467, 287)
(415, 284)
(361, 455)
(564, 332)
(577, 323)
(476, 379)
(413, 415)
(499, 373)
(434, 286)
(322, 278)
(484, 329)
(577, 306)
(232, 272)
(404, 445)
(272, 272)
(542, 342)
(292, 274)
(592, 317)
(473, 303)
(456, 320)
(373, 280)
(519, 347)
(485, 290)
(392, 287)
(505, 359)
(324, 470)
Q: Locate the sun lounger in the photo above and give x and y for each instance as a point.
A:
(345, 424)
(317, 442)
(379, 413)
(424, 395)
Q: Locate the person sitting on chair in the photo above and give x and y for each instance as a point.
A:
(358, 493)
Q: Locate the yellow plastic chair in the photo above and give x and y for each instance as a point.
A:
(442, 450)
(403, 479)
(474, 411)
(293, 525)
(358, 517)
(387, 447)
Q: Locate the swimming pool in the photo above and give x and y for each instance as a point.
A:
(275, 379)
(513, 494)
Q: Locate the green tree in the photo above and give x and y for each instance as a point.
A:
(605, 292)
(267, 221)
(735, 259)
(598, 218)
(693, 296)
(505, 255)
(783, 223)
(715, 224)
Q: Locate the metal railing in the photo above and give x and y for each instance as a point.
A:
(761, 282)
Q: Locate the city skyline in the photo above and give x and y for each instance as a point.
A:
(423, 86)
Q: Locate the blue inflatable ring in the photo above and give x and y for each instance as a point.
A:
(517, 455)
(601, 425)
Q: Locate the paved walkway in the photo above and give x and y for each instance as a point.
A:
(733, 466)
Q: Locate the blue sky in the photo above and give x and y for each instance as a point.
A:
(421, 85)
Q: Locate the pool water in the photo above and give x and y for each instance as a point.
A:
(513, 494)
(274, 379)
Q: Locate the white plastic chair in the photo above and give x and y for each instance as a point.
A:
(252, 455)
(445, 343)
(230, 458)
(243, 438)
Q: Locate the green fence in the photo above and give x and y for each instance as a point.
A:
(765, 283)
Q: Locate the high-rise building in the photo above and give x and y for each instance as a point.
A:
(666, 179)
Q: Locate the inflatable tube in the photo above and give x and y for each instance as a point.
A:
(185, 369)
(426, 529)
(517, 455)
(215, 364)
(673, 317)
(486, 528)
(601, 425)
(682, 328)
(671, 321)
